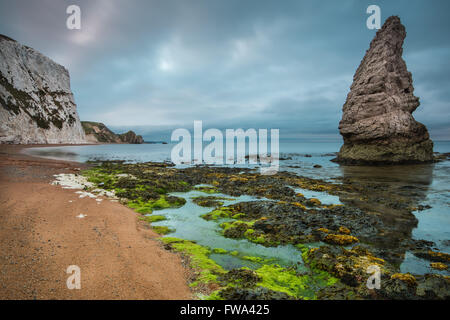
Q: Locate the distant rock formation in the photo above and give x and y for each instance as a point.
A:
(36, 103)
(377, 123)
(131, 137)
(97, 132)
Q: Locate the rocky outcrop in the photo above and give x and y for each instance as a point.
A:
(377, 123)
(131, 137)
(36, 103)
(97, 132)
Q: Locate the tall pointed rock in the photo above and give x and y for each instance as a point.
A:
(377, 123)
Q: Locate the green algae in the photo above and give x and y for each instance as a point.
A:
(170, 240)
(240, 229)
(249, 233)
(284, 280)
(219, 213)
(140, 206)
(321, 277)
(184, 183)
(207, 269)
(144, 207)
(210, 201)
(299, 286)
(234, 224)
(263, 240)
(152, 218)
(215, 295)
(139, 192)
(257, 259)
(207, 189)
(272, 277)
(219, 251)
(162, 230)
(100, 176)
(258, 238)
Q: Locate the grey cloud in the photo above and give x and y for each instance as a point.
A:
(158, 65)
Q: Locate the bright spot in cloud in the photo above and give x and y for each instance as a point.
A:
(165, 65)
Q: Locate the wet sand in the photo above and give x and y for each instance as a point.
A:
(41, 236)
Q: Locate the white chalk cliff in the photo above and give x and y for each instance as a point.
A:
(36, 103)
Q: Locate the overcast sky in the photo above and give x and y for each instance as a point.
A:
(154, 66)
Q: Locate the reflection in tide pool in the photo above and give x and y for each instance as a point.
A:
(434, 223)
(425, 185)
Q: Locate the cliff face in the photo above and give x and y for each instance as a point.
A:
(377, 123)
(97, 132)
(36, 103)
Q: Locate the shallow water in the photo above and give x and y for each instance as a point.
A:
(189, 225)
(324, 197)
(434, 223)
(429, 184)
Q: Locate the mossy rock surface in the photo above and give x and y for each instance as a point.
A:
(389, 153)
(209, 201)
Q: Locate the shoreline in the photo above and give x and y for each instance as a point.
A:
(337, 241)
(358, 232)
(41, 236)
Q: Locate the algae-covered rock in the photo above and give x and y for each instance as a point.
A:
(438, 266)
(209, 201)
(243, 277)
(433, 255)
(426, 287)
(350, 266)
(405, 277)
(340, 239)
(433, 286)
(256, 293)
(286, 223)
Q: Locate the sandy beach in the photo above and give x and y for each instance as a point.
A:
(41, 236)
(233, 164)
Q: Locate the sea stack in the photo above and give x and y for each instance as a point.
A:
(377, 123)
(36, 103)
